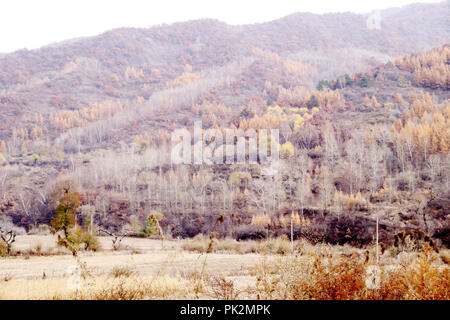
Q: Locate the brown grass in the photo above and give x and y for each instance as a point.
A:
(314, 272)
(329, 276)
(272, 246)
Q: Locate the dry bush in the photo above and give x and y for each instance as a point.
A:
(198, 244)
(100, 288)
(267, 285)
(84, 240)
(3, 249)
(165, 287)
(198, 281)
(6, 224)
(41, 229)
(423, 279)
(7, 277)
(274, 246)
(36, 250)
(331, 278)
(120, 289)
(231, 245)
(202, 244)
(223, 289)
(132, 288)
(134, 250)
(122, 271)
(445, 257)
(325, 275)
(40, 251)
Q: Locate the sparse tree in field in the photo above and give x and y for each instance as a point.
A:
(64, 218)
(154, 219)
(152, 225)
(116, 238)
(8, 237)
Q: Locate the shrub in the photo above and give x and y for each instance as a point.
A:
(198, 244)
(123, 290)
(151, 225)
(336, 277)
(323, 84)
(223, 289)
(403, 82)
(365, 81)
(83, 239)
(239, 177)
(122, 271)
(41, 229)
(313, 102)
(277, 246)
(287, 150)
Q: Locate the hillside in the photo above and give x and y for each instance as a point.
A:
(363, 134)
(228, 64)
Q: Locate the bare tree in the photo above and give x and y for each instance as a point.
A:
(8, 237)
(26, 202)
(116, 238)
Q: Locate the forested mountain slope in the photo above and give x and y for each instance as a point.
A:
(362, 133)
(174, 65)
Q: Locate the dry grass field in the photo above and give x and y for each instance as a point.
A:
(143, 269)
(43, 269)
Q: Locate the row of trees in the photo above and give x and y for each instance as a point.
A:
(300, 96)
(431, 68)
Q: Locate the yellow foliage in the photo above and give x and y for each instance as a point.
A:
(239, 177)
(287, 150)
(275, 110)
(261, 220)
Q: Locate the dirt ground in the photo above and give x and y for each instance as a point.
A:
(143, 269)
(145, 257)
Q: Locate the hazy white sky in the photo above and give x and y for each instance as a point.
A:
(31, 24)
